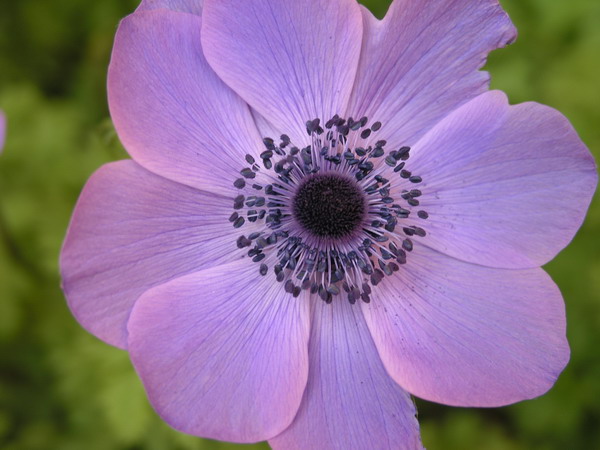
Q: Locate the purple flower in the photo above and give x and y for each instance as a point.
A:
(325, 213)
(2, 129)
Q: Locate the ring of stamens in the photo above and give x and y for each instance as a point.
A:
(331, 223)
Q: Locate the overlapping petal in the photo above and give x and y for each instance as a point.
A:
(222, 352)
(422, 61)
(350, 401)
(468, 335)
(171, 111)
(132, 230)
(505, 186)
(290, 60)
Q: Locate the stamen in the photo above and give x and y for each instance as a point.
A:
(329, 217)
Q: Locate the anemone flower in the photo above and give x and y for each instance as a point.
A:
(325, 214)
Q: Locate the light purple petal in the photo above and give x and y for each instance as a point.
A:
(350, 401)
(468, 335)
(187, 6)
(266, 128)
(505, 186)
(132, 230)
(223, 353)
(422, 61)
(291, 60)
(172, 113)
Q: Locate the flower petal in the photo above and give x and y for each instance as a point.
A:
(468, 335)
(422, 61)
(265, 128)
(172, 113)
(291, 60)
(222, 352)
(132, 230)
(505, 186)
(350, 401)
(188, 6)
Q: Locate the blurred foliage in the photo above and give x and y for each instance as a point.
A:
(60, 388)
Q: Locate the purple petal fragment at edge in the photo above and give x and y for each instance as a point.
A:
(132, 230)
(2, 130)
(222, 360)
(421, 62)
(467, 335)
(505, 186)
(350, 401)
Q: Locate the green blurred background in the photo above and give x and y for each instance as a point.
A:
(60, 388)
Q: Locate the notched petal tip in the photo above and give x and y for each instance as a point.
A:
(411, 84)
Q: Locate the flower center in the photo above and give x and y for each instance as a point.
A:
(333, 218)
(329, 205)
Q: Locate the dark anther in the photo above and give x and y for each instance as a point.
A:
(312, 126)
(269, 143)
(399, 167)
(420, 231)
(403, 153)
(238, 202)
(259, 257)
(247, 173)
(289, 286)
(377, 152)
(243, 241)
(238, 222)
